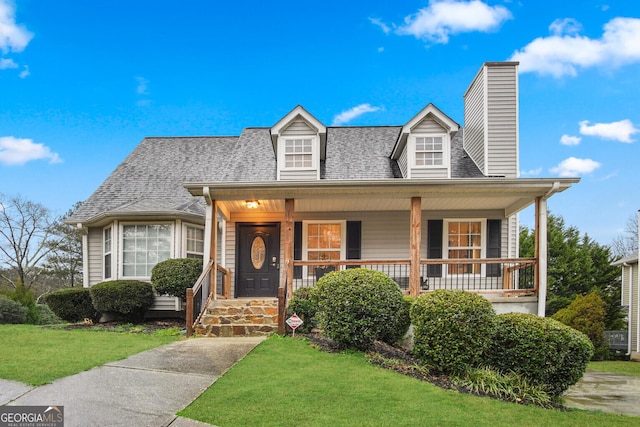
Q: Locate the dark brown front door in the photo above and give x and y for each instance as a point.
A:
(257, 259)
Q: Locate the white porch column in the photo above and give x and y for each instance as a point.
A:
(541, 234)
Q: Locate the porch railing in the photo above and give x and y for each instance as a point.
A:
(199, 296)
(508, 277)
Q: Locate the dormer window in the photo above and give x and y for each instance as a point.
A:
(298, 153)
(429, 151)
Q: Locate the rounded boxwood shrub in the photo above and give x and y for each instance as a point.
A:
(305, 305)
(359, 306)
(543, 350)
(11, 311)
(47, 316)
(127, 299)
(174, 276)
(586, 314)
(72, 304)
(452, 329)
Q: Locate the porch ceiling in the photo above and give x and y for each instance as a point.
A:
(508, 195)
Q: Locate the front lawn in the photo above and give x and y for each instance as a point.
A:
(286, 382)
(36, 355)
(618, 367)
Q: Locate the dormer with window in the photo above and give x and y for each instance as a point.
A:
(423, 149)
(299, 141)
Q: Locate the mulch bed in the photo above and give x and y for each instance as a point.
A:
(146, 327)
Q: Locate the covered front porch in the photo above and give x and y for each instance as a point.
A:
(425, 234)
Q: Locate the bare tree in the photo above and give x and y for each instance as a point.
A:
(25, 239)
(63, 264)
(627, 242)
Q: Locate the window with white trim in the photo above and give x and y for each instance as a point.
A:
(194, 243)
(464, 241)
(107, 246)
(324, 241)
(429, 151)
(298, 153)
(143, 246)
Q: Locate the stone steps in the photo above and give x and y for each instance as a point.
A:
(239, 317)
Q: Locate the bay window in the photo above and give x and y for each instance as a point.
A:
(143, 246)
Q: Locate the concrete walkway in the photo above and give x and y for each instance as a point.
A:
(146, 389)
(606, 392)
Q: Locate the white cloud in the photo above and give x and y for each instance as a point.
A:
(443, 18)
(618, 131)
(18, 151)
(25, 72)
(575, 167)
(381, 49)
(348, 115)
(532, 172)
(570, 140)
(565, 26)
(13, 37)
(7, 63)
(377, 22)
(143, 86)
(565, 51)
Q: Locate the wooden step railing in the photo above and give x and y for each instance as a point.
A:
(201, 294)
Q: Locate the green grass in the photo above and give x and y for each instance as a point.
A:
(36, 355)
(286, 382)
(618, 367)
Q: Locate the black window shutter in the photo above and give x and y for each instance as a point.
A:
(354, 241)
(297, 248)
(434, 246)
(494, 246)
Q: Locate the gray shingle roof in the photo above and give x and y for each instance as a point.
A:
(151, 178)
(361, 153)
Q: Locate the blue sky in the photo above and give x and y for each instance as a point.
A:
(82, 82)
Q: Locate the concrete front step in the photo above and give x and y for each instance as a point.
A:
(240, 317)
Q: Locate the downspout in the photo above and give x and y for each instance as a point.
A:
(543, 263)
(85, 255)
(638, 284)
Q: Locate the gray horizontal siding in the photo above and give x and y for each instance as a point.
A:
(474, 117)
(298, 175)
(298, 127)
(403, 162)
(426, 173)
(502, 126)
(428, 125)
(95, 255)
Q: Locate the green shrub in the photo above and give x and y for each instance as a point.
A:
(452, 329)
(543, 350)
(174, 276)
(586, 314)
(72, 304)
(24, 296)
(509, 386)
(358, 306)
(11, 311)
(127, 299)
(47, 317)
(305, 305)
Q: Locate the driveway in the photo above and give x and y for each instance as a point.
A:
(146, 389)
(606, 392)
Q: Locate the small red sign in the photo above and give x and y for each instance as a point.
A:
(294, 321)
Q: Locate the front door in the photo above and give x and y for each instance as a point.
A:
(257, 259)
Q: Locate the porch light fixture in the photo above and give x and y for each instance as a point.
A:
(252, 204)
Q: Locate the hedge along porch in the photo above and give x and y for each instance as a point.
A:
(404, 229)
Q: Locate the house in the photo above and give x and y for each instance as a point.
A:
(429, 203)
(631, 300)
